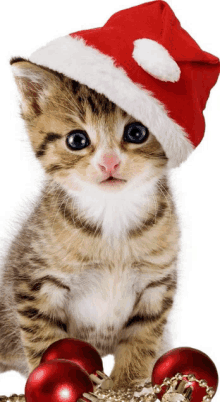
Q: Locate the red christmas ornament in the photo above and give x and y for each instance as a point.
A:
(81, 353)
(57, 381)
(187, 362)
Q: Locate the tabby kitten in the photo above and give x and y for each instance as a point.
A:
(96, 260)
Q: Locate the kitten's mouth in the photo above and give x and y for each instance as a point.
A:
(112, 181)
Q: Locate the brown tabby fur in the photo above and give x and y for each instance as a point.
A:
(59, 242)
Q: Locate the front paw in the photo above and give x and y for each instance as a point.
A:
(120, 384)
(122, 381)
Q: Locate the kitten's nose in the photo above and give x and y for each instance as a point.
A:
(109, 162)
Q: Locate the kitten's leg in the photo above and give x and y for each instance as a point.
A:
(41, 316)
(141, 336)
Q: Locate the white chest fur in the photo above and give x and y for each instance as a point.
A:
(102, 298)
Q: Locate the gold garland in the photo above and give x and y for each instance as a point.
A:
(13, 398)
(107, 395)
(147, 392)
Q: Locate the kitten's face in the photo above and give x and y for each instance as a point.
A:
(83, 139)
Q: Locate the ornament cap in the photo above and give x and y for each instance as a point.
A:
(178, 392)
(91, 396)
(104, 382)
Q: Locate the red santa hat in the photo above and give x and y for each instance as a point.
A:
(146, 63)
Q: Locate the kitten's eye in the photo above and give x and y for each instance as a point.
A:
(77, 139)
(136, 133)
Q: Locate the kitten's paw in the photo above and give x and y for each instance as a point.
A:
(120, 382)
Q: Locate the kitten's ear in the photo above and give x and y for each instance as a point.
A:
(34, 83)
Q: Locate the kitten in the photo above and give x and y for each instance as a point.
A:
(96, 260)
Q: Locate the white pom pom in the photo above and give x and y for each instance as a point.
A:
(156, 60)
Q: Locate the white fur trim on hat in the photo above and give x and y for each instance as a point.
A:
(83, 63)
(156, 60)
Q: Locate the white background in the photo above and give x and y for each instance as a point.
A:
(27, 25)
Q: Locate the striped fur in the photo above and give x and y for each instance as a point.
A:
(90, 263)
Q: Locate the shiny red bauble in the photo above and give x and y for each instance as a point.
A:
(57, 381)
(79, 352)
(186, 361)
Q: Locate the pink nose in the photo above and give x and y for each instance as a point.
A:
(109, 163)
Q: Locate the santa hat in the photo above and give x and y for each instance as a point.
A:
(146, 63)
